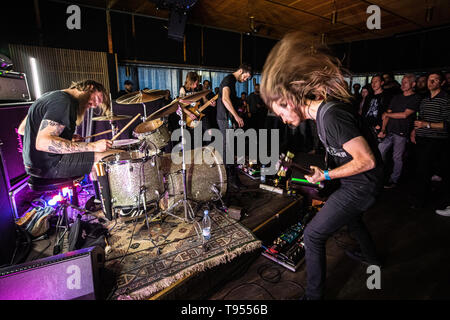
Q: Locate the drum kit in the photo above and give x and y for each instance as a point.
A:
(142, 175)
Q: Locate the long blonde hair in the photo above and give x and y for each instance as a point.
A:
(297, 72)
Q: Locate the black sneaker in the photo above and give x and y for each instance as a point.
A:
(358, 256)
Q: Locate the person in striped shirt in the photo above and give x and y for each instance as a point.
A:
(431, 136)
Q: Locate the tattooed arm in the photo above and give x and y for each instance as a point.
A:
(48, 140)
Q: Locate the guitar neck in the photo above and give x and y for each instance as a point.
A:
(207, 104)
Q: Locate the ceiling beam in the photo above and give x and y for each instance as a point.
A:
(393, 13)
(319, 16)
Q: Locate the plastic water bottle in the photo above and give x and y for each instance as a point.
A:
(263, 175)
(206, 225)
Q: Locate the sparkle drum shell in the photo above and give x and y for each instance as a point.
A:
(127, 173)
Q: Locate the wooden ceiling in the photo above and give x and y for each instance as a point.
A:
(274, 18)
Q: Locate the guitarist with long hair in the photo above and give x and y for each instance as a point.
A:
(299, 83)
(227, 109)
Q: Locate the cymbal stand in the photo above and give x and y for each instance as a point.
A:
(111, 122)
(189, 215)
(144, 117)
(142, 193)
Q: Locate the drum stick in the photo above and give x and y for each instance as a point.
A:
(97, 134)
(124, 128)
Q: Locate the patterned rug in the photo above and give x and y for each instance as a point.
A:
(142, 271)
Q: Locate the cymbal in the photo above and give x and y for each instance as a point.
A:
(166, 110)
(111, 118)
(194, 97)
(148, 126)
(141, 96)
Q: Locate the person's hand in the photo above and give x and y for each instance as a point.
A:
(412, 136)
(191, 115)
(317, 175)
(101, 145)
(382, 135)
(77, 138)
(213, 103)
(377, 127)
(420, 124)
(239, 121)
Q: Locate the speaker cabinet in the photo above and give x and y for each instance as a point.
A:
(70, 276)
(177, 23)
(7, 224)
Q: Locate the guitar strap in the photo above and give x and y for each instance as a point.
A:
(321, 128)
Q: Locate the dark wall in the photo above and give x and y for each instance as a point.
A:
(423, 50)
(150, 42)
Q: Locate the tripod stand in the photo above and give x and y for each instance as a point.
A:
(189, 215)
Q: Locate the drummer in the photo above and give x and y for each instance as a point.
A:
(50, 147)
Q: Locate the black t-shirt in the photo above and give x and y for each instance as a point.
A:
(400, 103)
(374, 107)
(230, 82)
(255, 102)
(342, 124)
(59, 107)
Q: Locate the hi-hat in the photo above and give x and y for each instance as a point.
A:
(141, 96)
(166, 110)
(194, 97)
(114, 117)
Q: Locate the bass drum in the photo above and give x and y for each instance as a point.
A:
(201, 176)
(130, 172)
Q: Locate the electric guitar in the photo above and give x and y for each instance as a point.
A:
(197, 110)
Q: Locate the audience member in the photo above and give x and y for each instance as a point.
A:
(128, 88)
(421, 87)
(391, 87)
(431, 135)
(375, 105)
(397, 126)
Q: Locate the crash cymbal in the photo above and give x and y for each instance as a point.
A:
(141, 96)
(114, 117)
(195, 97)
(166, 110)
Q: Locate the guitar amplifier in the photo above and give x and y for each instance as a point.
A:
(70, 276)
(14, 86)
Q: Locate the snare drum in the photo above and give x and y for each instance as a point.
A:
(155, 135)
(126, 144)
(131, 175)
(201, 178)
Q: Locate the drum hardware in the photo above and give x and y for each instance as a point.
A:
(216, 191)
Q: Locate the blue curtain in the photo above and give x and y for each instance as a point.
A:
(170, 78)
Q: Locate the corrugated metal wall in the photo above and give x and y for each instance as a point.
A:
(57, 68)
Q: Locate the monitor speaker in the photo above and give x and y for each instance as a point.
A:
(70, 276)
(177, 23)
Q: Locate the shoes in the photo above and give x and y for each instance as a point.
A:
(436, 178)
(390, 185)
(445, 212)
(358, 256)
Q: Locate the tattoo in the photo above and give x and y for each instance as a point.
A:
(58, 128)
(61, 146)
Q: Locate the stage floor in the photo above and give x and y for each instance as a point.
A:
(413, 243)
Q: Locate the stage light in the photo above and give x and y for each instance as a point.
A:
(53, 201)
(36, 83)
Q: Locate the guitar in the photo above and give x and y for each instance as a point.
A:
(197, 110)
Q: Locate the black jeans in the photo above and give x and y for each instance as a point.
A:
(432, 157)
(344, 207)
